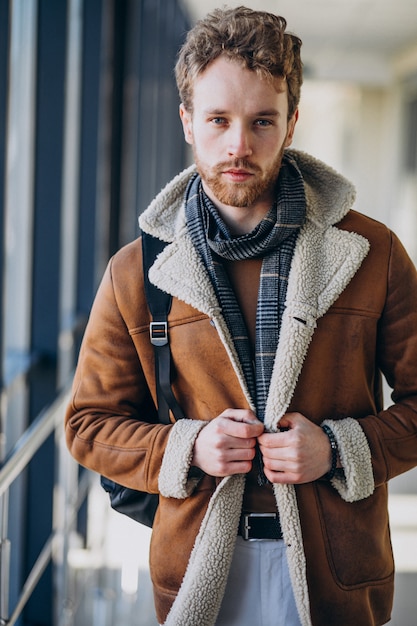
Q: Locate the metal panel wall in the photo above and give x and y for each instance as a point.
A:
(4, 41)
(90, 153)
(100, 105)
(162, 151)
(49, 151)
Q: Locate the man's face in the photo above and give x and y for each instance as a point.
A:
(238, 130)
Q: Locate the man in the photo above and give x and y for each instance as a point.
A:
(287, 306)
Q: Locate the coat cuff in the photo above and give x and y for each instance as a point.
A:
(356, 481)
(175, 479)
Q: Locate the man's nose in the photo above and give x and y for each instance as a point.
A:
(239, 145)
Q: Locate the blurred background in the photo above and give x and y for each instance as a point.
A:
(89, 133)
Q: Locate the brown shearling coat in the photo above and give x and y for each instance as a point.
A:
(351, 314)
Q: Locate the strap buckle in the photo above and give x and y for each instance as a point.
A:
(158, 332)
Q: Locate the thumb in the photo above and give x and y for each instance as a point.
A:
(289, 420)
(284, 424)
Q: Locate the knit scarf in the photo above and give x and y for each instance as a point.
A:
(273, 239)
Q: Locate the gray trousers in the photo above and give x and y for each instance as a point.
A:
(258, 590)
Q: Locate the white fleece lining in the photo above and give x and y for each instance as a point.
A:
(319, 273)
(194, 287)
(355, 456)
(291, 529)
(325, 260)
(201, 593)
(173, 476)
(316, 280)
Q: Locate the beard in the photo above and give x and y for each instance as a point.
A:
(240, 194)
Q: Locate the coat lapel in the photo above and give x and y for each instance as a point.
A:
(324, 262)
(180, 271)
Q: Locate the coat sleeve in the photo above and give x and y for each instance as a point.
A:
(111, 422)
(355, 481)
(376, 448)
(393, 432)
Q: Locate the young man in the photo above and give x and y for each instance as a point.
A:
(287, 307)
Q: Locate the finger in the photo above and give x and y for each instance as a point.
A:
(241, 415)
(231, 455)
(223, 433)
(236, 442)
(282, 478)
(280, 465)
(291, 420)
(268, 441)
(239, 428)
(238, 467)
(232, 461)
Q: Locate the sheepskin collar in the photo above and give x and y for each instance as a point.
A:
(329, 197)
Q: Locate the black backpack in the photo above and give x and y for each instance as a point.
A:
(139, 505)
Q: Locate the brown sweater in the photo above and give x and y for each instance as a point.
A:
(244, 277)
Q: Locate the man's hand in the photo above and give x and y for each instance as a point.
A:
(226, 445)
(300, 454)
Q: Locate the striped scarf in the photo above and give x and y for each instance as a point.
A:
(274, 240)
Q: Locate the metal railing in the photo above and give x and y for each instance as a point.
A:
(68, 497)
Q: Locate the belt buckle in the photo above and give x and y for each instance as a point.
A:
(247, 527)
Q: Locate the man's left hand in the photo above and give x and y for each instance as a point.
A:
(299, 454)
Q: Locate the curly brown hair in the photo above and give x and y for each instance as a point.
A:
(256, 39)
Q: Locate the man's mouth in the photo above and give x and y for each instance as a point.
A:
(237, 175)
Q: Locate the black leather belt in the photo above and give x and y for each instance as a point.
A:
(258, 526)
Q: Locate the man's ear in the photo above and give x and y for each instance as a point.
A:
(291, 128)
(186, 119)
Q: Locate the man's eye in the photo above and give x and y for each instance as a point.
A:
(218, 120)
(263, 123)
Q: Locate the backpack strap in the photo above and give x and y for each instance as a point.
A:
(159, 303)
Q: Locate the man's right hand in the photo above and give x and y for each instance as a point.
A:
(226, 445)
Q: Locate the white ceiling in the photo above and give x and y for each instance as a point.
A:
(361, 40)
